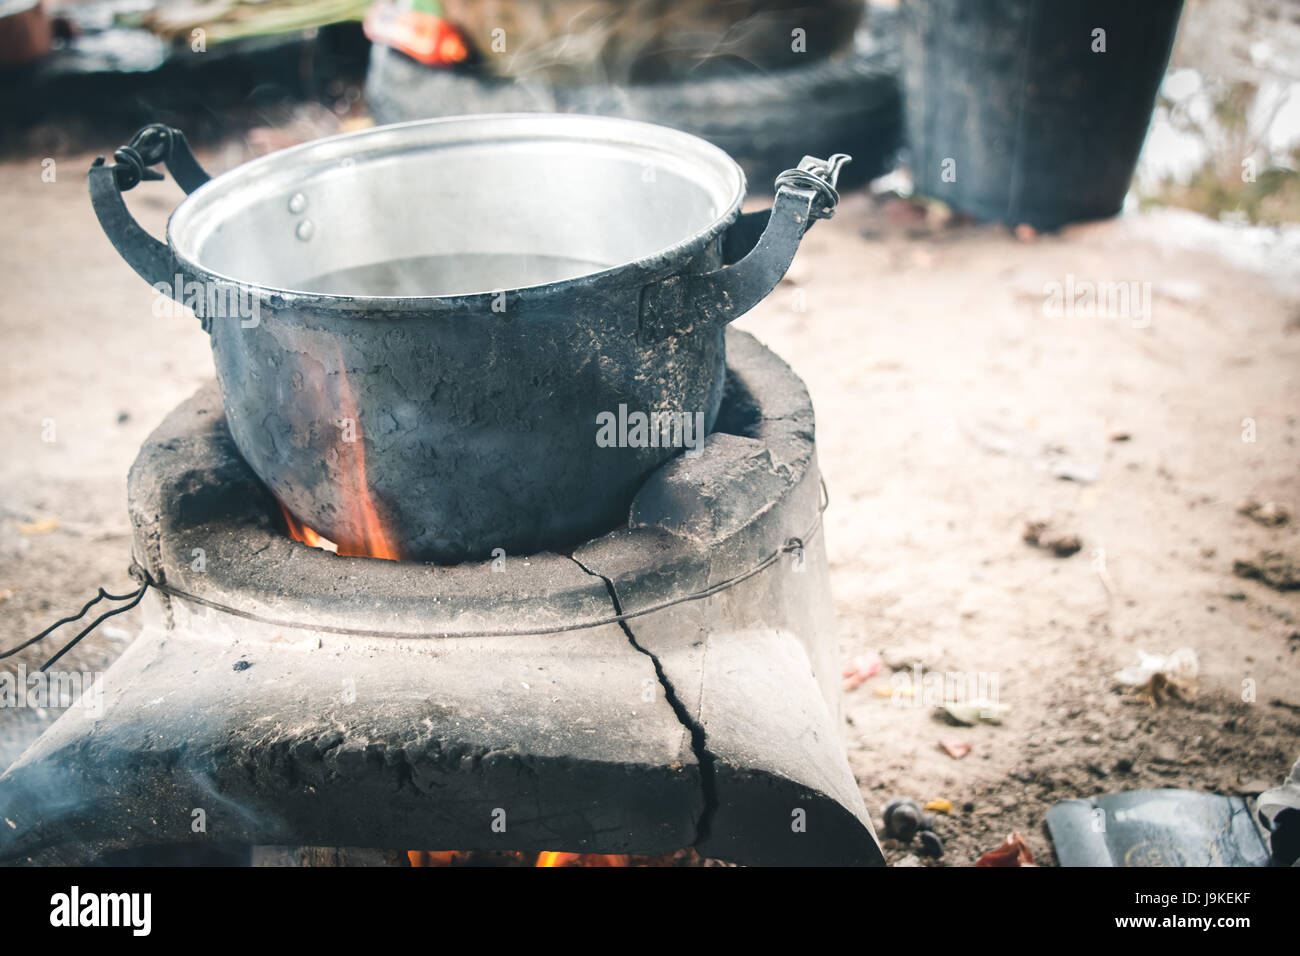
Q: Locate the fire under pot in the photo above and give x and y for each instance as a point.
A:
(670, 684)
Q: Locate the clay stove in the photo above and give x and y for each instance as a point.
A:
(670, 684)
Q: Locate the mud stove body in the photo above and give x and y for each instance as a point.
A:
(673, 683)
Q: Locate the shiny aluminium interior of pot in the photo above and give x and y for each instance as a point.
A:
(459, 206)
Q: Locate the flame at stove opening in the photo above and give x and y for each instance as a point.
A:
(374, 541)
(300, 532)
(545, 858)
(551, 858)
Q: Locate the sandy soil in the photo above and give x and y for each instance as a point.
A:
(945, 399)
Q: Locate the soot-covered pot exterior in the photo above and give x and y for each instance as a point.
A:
(474, 430)
(444, 428)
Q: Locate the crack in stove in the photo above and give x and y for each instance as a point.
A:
(698, 737)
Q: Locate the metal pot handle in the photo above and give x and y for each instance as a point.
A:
(152, 145)
(681, 302)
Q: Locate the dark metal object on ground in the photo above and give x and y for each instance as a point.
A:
(1279, 810)
(392, 380)
(713, 723)
(1020, 111)
(1156, 828)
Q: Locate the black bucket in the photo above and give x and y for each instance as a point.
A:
(1015, 113)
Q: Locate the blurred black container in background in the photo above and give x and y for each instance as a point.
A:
(1032, 111)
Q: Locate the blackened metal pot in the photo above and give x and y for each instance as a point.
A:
(439, 339)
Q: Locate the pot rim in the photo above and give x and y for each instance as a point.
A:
(495, 127)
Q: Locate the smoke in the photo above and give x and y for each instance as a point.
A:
(617, 44)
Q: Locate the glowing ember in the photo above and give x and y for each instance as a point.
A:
(546, 858)
(581, 859)
(435, 857)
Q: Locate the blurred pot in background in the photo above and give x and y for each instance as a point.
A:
(1032, 111)
(646, 41)
(25, 33)
(753, 77)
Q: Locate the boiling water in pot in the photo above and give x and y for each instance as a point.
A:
(452, 274)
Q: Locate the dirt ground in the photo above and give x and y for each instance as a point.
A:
(949, 403)
(945, 400)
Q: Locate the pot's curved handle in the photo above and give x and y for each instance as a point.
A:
(152, 145)
(681, 302)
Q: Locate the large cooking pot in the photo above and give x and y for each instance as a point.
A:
(438, 339)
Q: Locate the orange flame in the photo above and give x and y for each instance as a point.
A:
(300, 532)
(434, 857)
(551, 858)
(375, 541)
(546, 858)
